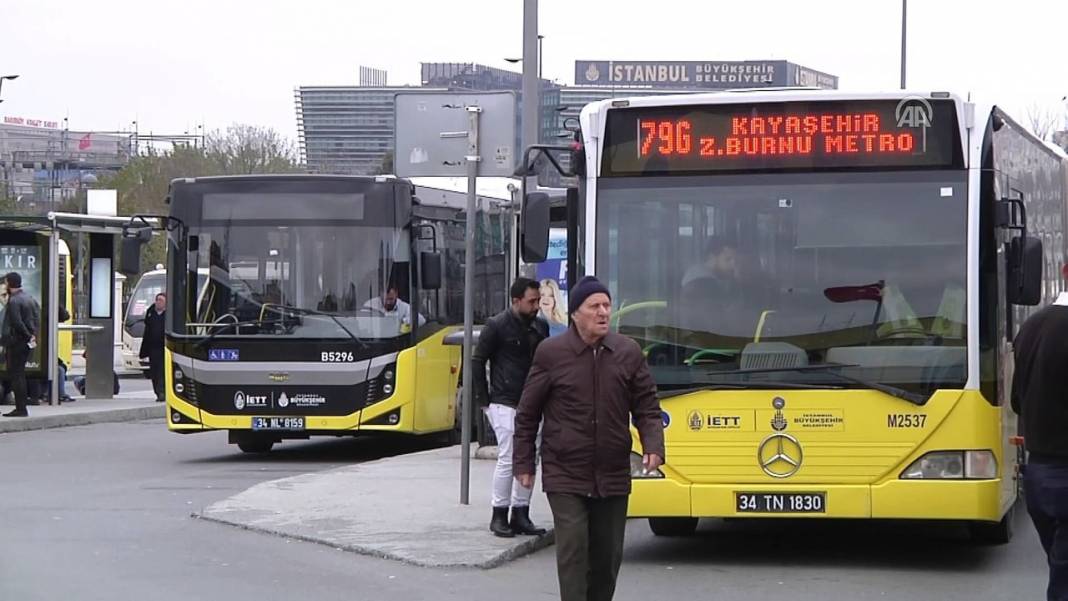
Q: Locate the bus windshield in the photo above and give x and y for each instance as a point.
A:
(728, 279)
(314, 281)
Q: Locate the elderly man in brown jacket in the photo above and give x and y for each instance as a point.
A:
(587, 384)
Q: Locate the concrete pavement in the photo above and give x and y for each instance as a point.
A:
(135, 401)
(404, 508)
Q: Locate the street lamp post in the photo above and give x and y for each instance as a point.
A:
(7, 77)
(904, 25)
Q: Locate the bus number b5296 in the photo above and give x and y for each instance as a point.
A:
(338, 357)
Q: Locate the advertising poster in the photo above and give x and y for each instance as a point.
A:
(26, 260)
(552, 276)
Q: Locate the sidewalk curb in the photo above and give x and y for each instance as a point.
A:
(532, 544)
(11, 424)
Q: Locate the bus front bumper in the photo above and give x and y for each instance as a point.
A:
(897, 499)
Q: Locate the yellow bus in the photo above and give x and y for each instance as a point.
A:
(826, 285)
(323, 309)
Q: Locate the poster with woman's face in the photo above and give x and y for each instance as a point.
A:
(552, 278)
(24, 260)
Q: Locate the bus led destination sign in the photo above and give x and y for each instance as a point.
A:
(825, 135)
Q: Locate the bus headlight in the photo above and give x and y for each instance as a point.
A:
(178, 375)
(953, 465)
(638, 471)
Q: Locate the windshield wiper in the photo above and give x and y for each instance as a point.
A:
(671, 392)
(831, 368)
(300, 310)
(222, 325)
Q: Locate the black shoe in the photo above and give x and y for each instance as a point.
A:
(499, 523)
(17, 413)
(160, 399)
(521, 524)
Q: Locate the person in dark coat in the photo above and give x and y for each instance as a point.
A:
(507, 343)
(18, 335)
(589, 385)
(152, 344)
(1039, 382)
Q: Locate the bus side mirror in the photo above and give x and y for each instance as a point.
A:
(130, 255)
(1025, 271)
(430, 270)
(534, 227)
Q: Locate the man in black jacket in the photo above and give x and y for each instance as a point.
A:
(1038, 395)
(18, 335)
(152, 344)
(508, 341)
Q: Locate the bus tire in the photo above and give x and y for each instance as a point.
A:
(259, 446)
(993, 533)
(673, 526)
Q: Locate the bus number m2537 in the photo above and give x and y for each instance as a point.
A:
(906, 420)
(338, 357)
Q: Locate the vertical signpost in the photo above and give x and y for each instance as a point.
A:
(426, 129)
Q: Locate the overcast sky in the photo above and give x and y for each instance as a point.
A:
(172, 65)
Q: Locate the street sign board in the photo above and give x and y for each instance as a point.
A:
(430, 134)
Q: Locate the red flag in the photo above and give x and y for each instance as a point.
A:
(84, 143)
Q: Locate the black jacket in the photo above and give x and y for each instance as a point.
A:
(508, 343)
(1039, 383)
(21, 319)
(152, 339)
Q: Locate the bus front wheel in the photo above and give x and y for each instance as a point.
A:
(993, 533)
(251, 442)
(256, 446)
(673, 526)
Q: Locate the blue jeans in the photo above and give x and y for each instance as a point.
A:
(1046, 491)
(62, 381)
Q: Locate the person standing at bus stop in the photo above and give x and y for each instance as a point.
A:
(18, 335)
(508, 342)
(152, 344)
(1039, 383)
(588, 385)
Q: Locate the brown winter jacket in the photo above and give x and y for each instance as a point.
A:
(587, 400)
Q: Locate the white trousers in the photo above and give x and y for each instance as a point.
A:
(506, 491)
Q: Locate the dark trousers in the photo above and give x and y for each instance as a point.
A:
(589, 544)
(17, 356)
(1046, 491)
(155, 372)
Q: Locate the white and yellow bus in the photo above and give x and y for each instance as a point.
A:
(826, 285)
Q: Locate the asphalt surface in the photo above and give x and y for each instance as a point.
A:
(104, 512)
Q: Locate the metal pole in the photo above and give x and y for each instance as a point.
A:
(473, 159)
(53, 314)
(531, 85)
(904, 25)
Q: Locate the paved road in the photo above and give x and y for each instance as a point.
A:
(102, 512)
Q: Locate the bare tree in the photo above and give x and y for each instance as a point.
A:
(1042, 120)
(245, 149)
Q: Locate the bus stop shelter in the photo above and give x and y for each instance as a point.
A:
(99, 320)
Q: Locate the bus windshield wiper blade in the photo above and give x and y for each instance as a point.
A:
(832, 368)
(353, 336)
(696, 387)
(220, 327)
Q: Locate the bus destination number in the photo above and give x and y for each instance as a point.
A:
(338, 357)
(906, 420)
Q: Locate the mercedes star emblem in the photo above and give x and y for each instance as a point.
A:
(780, 455)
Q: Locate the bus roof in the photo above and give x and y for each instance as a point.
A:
(285, 177)
(757, 95)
